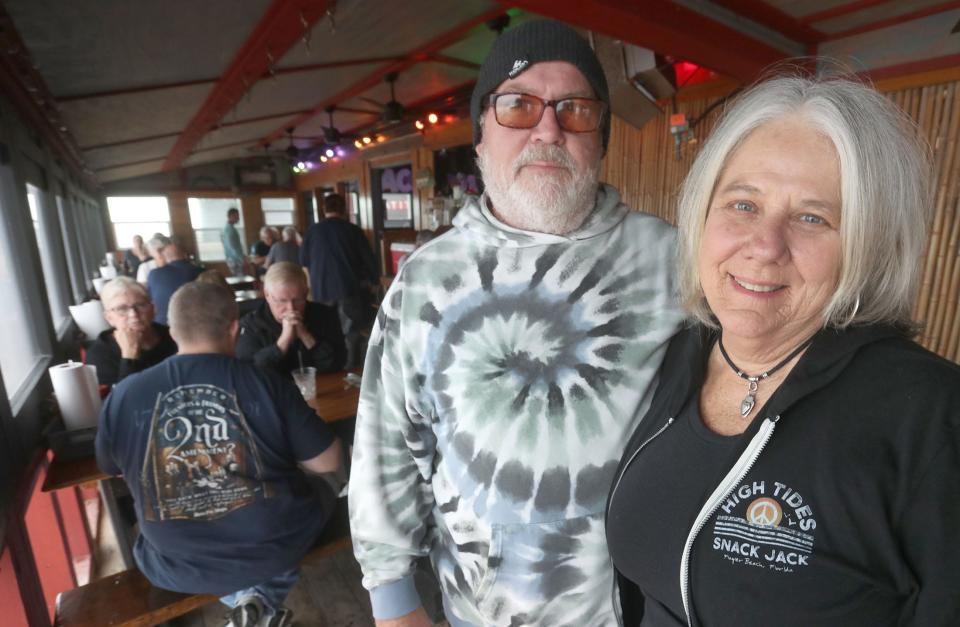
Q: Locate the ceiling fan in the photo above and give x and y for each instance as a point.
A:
(393, 111)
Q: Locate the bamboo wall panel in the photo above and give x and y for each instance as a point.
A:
(643, 165)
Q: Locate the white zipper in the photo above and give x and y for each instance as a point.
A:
(723, 489)
(634, 456)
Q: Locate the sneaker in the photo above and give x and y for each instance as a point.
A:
(283, 618)
(247, 613)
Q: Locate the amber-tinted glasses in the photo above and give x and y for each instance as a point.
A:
(574, 115)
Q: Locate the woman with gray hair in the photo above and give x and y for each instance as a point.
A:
(800, 460)
(134, 342)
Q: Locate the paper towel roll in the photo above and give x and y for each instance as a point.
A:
(89, 317)
(75, 386)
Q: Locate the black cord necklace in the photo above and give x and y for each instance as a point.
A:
(746, 405)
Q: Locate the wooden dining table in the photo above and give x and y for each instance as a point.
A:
(336, 399)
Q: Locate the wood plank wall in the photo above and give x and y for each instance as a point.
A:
(642, 164)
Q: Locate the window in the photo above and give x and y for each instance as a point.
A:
(68, 231)
(138, 215)
(24, 342)
(51, 257)
(208, 217)
(277, 211)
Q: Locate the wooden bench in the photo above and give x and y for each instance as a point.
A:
(127, 599)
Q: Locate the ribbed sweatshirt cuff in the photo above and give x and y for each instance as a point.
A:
(394, 599)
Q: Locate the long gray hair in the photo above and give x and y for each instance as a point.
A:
(884, 191)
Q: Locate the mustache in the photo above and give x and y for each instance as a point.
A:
(544, 152)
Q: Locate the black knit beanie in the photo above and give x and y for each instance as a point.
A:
(535, 42)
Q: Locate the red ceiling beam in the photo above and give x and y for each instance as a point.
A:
(374, 78)
(667, 28)
(775, 19)
(894, 20)
(843, 9)
(284, 24)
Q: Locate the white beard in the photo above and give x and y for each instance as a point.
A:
(555, 203)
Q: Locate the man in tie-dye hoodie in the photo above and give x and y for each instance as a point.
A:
(510, 361)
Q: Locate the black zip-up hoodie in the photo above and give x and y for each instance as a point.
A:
(866, 428)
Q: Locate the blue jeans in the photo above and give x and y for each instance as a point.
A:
(271, 593)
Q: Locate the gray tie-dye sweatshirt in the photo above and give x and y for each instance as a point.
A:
(504, 375)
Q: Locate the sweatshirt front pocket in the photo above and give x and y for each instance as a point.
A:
(550, 573)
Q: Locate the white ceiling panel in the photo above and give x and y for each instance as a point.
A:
(925, 38)
(873, 14)
(128, 153)
(97, 45)
(375, 28)
(297, 91)
(216, 154)
(232, 134)
(800, 8)
(130, 171)
(144, 114)
(342, 120)
(416, 83)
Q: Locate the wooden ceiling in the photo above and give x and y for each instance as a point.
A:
(126, 89)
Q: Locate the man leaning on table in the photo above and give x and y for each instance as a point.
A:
(286, 331)
(217, 454)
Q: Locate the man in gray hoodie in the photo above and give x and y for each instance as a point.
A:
(511, 359)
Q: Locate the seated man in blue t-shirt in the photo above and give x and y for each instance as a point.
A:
(214, 451)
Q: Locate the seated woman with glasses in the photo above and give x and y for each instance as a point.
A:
(135, 342)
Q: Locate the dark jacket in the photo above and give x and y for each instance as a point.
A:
(339, 259)
(867, 428)
(164, 281)
(259, 332)
(104, 353)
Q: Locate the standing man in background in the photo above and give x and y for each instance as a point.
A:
(232, 247)
(343, 271)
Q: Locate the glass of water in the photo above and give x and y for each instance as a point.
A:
(306, 380)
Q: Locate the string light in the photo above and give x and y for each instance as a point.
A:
(419, 125)
(366, 139)
(433, 118)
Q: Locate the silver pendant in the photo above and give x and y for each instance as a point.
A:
(746, 405)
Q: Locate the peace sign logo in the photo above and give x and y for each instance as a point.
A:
(765, 512)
